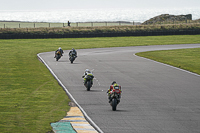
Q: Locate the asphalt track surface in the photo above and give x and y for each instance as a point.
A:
(156, 98)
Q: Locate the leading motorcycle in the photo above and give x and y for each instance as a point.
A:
(115, 96)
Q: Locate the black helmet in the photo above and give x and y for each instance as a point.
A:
(114, 82)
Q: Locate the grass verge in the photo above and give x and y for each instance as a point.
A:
(188, 59)
(30, 97)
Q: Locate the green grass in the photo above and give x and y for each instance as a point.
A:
(188, 59)
(30, 96)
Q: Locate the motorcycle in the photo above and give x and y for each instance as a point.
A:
(89, 82)
(72, 57)
(58, 55)
(115, 96)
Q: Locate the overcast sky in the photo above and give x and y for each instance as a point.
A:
(95, 4)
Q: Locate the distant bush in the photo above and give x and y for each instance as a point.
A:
(105, 30)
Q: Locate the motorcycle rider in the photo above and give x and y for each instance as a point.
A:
(73, 51)
(60, 50)
(113, 86)
(86, 74)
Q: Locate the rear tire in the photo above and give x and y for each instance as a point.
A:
(57, 57)
(114, 104)
(88, 85)
(71, 59)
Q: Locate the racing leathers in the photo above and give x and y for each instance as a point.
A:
(113, 86)
(86, 75)
(73, 52)
(60, 51)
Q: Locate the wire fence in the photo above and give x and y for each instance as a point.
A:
(5, 24)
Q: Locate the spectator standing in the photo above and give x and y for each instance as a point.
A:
(68, 23)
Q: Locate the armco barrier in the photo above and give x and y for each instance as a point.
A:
(81, 35)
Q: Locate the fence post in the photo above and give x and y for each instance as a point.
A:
(34, 25)
(133, 23)
(106, 23)
(77, 24)
(4, 25)
(63, 24)
(19, 25)
(49, 25)
(92, 24)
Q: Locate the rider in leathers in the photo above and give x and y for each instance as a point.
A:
(60, 50)
(114, 84)
(87, 73)
(73, 51)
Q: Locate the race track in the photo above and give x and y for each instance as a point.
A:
(156, 98)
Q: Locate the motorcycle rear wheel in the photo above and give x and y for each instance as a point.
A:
(88, 85)
(114, 104)
(71, 59)
(57, 57)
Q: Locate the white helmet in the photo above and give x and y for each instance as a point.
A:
(87, 70)
(59, 48)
